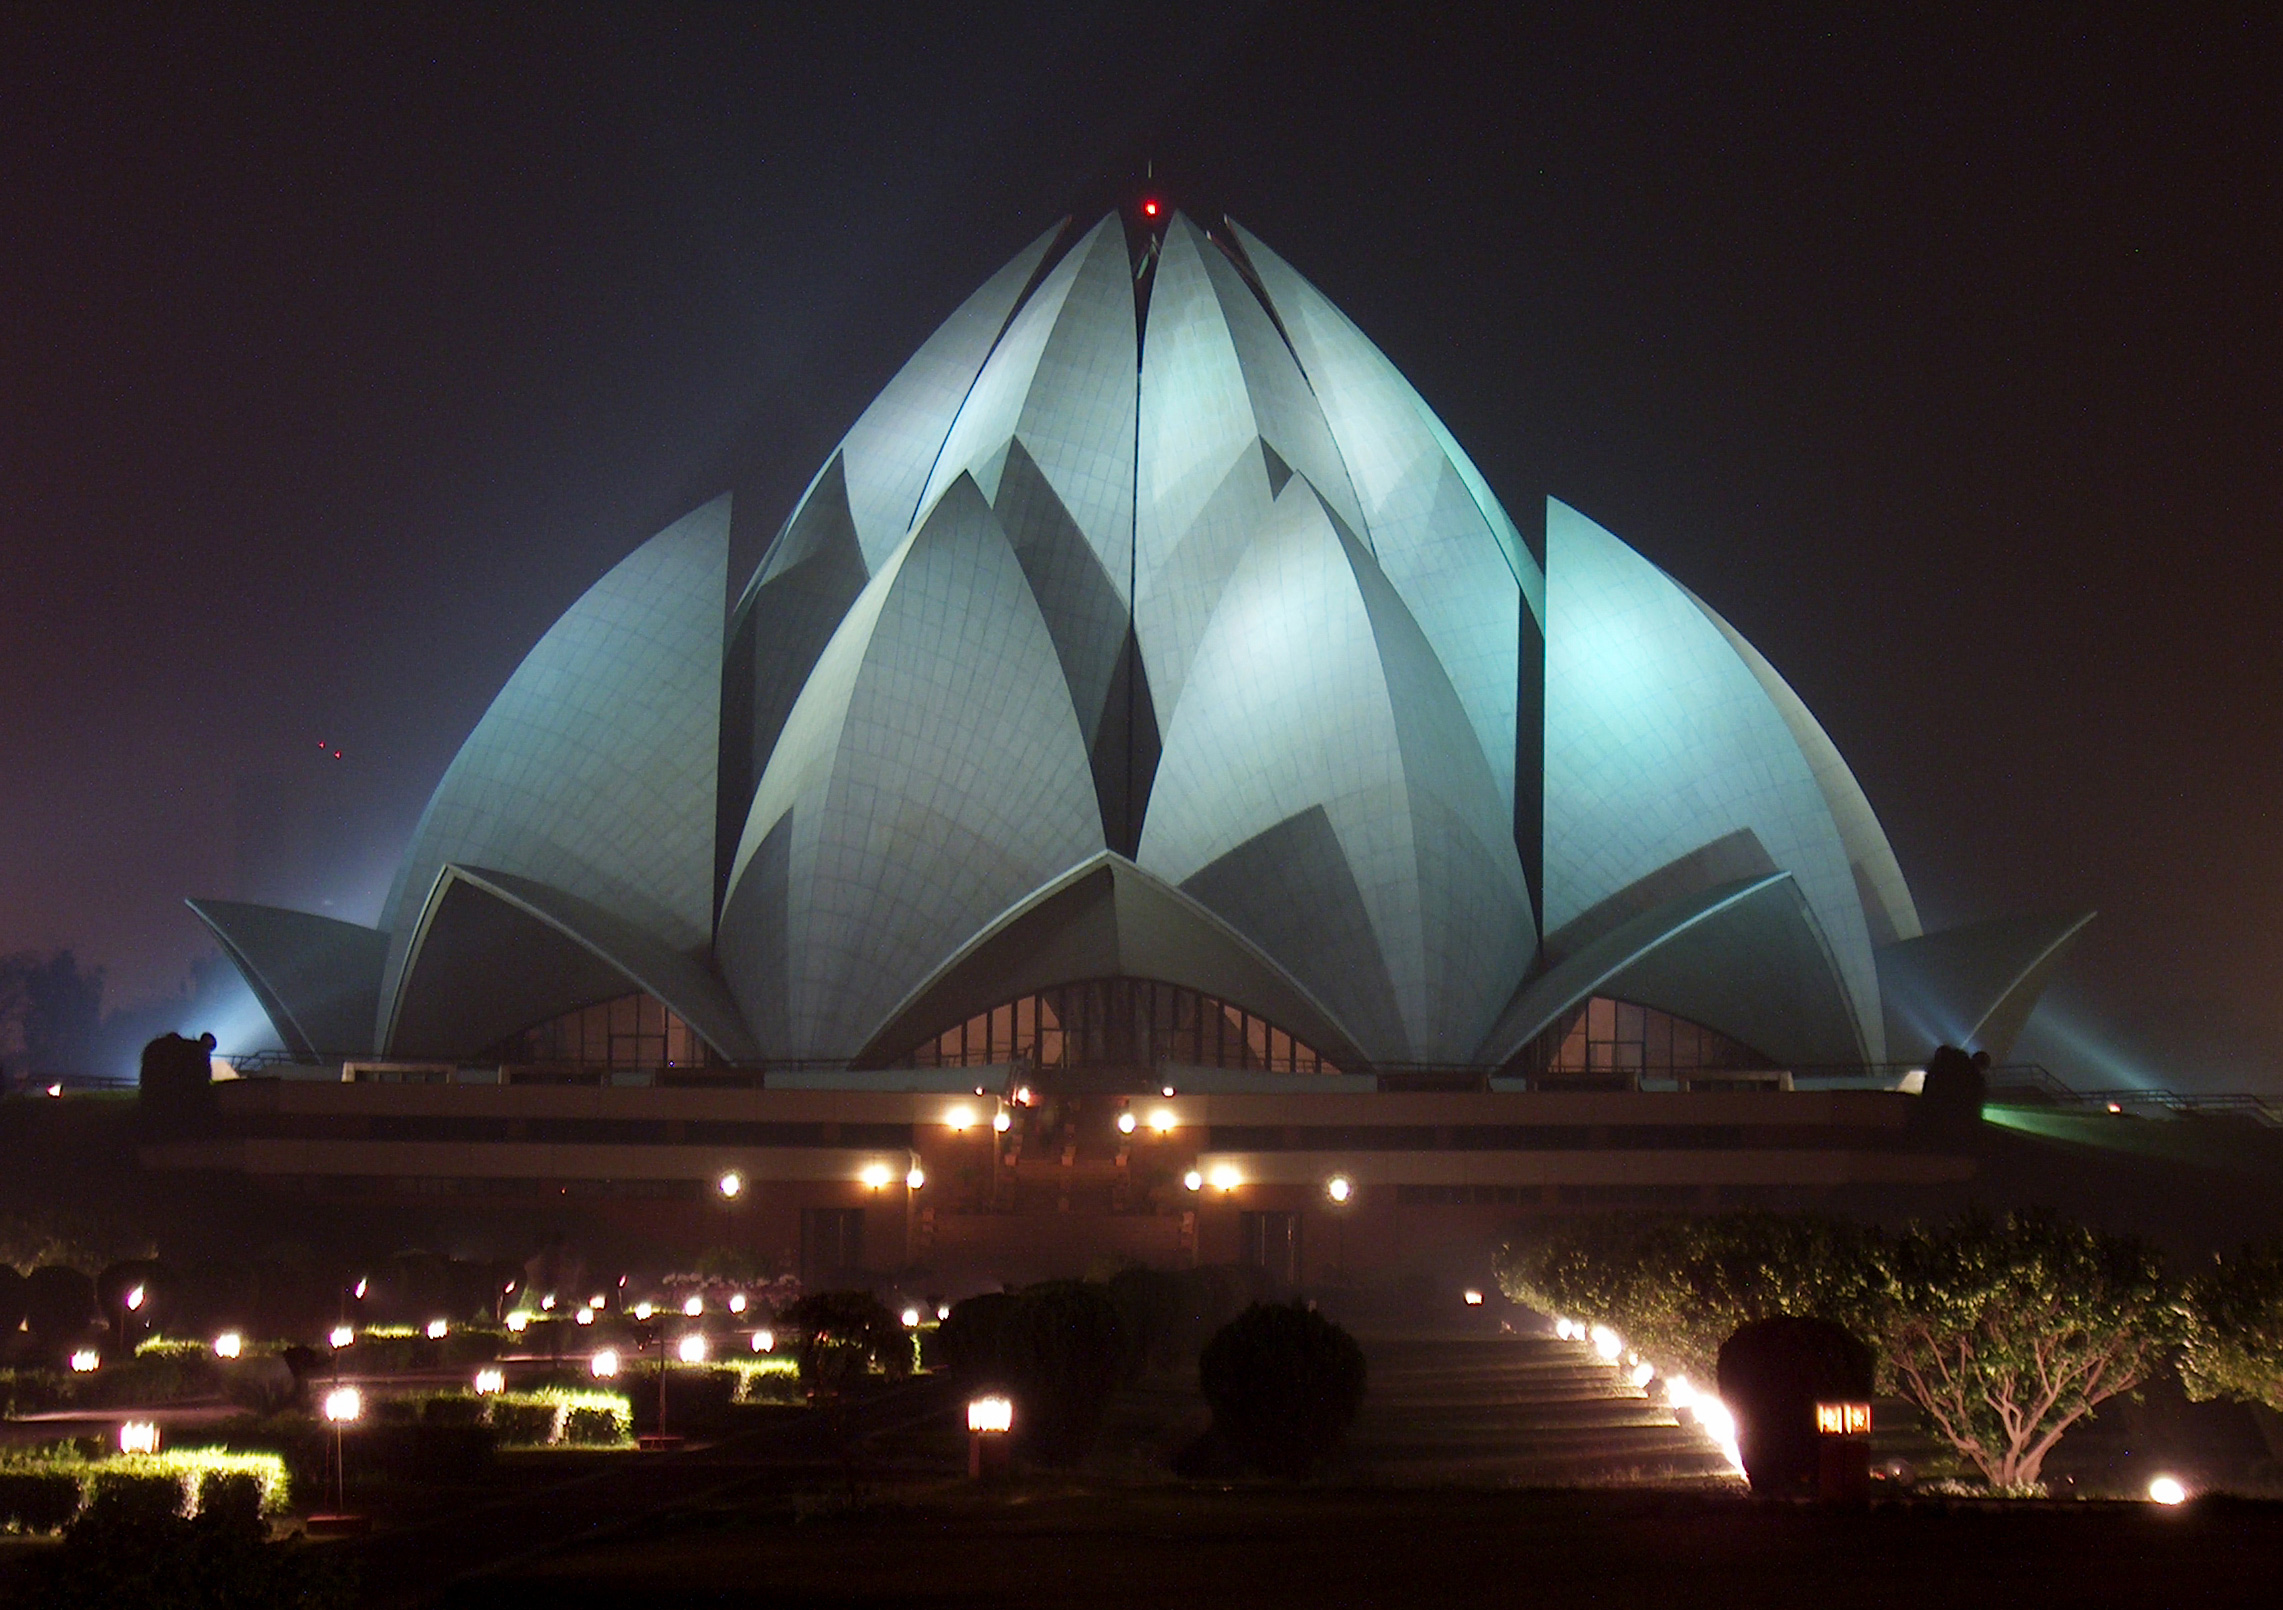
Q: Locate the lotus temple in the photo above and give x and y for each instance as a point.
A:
(1152, 800)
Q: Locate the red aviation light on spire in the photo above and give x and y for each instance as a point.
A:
(1149, 207)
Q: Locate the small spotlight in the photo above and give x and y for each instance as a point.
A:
(2167, 1490)
(1226, 1178)
(730, 1184)
(911, 1318)
(1125, 1123)
(594, 1302)
(585, 1316)
(876, 1175)
(1643, 1373)
(1002, 1122)
(990, 1415)
(1678, 1392)
(359, 1293)
(1339, 1188)
(693, 1306)
(55, 1089)
(604, 1364)
(1193, 1180)
(343, 1404)
(229, 1344)
(916, 1178)
(1473, 1298)
(943, 1310)
(438, 1329)
(764, 1341)
(737, 1303)
(1022, 1095)
(1607, 1343)
(692, 1349)
(517, 1320)
(547, 1303)
(343, 1336)
(85, 1360)
(960, 1119)
(134, 1299)
(490, 1381)
(139, 1436)
(1163, 1120)
(643, 1310)
(1564, 1329)
(2116, 1106)
(1166, 1091)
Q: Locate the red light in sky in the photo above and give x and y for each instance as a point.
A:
(1149, 209)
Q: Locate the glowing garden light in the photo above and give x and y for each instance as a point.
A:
(438, 1329)
(691, 1349)
(342, 1336)
(1606, 1342)
(643, 1310)
(547, 1303)
(585, 1316)
(134, 1299)
(915, 1177)
(85, 1360)
(1678, 1392)
(1643, 1373)
(1126, 1123)
(604, 1365)
(139, 1436)
(1339, 1188)
(943, 1310)
(764, 1341)
(1718, 1424)
(911, 1317)
(488, 1381)
(359, 1293)
(693, 1306)
(344, 1404)
(518, 1321)
(990, 1415)
(229, 1344)
(737, 1303)
(1564, 1330)
(1193, 1180)
(2167, 1490)
(594, 1302)
(1002, 1121)
(1472, 1297)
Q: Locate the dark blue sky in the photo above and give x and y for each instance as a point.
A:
(340, 351)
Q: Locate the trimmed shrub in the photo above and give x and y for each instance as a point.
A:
(1285, 1384)
(118, 1492)
(843, 1335)
(524, 1423)
(1772, 1374)
(230, 1498)
(972, 1341)
(593, 1428)
(1064, 1352)
(37, 1501)
(452, 1409)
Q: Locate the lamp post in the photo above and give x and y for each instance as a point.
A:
(342, 1405)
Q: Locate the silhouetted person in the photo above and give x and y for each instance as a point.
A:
(178, 1073)
(1950, 1104)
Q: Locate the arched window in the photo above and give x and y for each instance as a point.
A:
(1614, 1038)
(633, 1031)
(1130, 1022)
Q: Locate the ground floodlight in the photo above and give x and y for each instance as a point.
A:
(594, 1302)
(643, 1310)
(585, 1316)
(229, 1344)
(1471, 1297)
(877, 1175)
(1563, 1329)
(139, 1436)
(1643, 1373)
(1678, 1392)
(1193, 1180)
(547, 1303)
(85, 1360)
(691, 1349)
(990, 1415)
(1606, 1342)
(604, 1364)
(730, 1184)
(343, 1404)
(693, 1306)
(517, 1320)
(2167, 1490)
(764, 1341)
(438, 1329)
(1125, 1123)
(490, 1381)
(342, 1336)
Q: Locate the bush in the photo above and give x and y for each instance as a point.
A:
(1285, 1384)
(1063, 1352)
(524, 1423)
(843, 1334)
(1772, 1373)
(452, 1409)
(37, 1501)
(593, 1428)
(1171, 1314)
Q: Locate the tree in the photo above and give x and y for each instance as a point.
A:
(54, 1007)
(1678, 1287)
(1285, 1384)
(2232, 1328)
(1060, 1350)
(2006, 1332)
(842, 1334)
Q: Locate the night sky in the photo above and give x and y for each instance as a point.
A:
(339, 355)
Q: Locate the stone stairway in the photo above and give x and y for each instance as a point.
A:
(1515, 1411)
